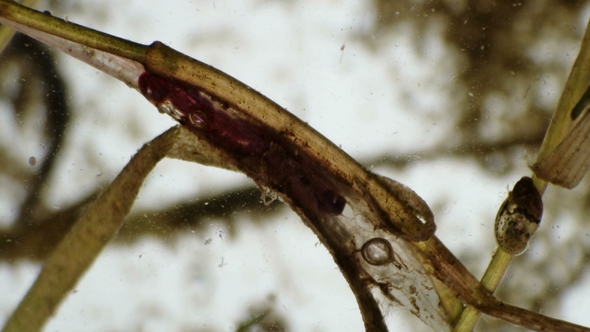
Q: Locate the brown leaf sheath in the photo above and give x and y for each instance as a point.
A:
(274, 124)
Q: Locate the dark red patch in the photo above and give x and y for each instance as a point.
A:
(261, 152)
(200, 114)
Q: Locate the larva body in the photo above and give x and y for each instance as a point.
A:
(519, 217)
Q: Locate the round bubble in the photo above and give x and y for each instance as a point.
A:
(377, 251)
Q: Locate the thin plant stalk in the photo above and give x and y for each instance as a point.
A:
(93, 231)
(6, 33)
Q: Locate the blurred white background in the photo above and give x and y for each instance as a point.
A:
(309, 57)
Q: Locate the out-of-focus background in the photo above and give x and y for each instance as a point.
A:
(451, 98)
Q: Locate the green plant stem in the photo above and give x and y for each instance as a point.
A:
(69, 31)
(6, 33)
(490, 280)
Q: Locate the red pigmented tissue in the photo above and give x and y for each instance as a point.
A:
(194, 109)
(283, 166)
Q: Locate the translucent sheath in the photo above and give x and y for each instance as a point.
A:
(570, 161)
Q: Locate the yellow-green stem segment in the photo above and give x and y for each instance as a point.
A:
(76, 33)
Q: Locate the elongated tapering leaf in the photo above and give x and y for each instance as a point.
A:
(97, 227)
(564, 158)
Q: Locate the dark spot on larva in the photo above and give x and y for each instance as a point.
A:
(331, 202)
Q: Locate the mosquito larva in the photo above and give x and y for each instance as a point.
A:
(519, 217)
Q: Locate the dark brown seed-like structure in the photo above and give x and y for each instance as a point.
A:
(519, 217)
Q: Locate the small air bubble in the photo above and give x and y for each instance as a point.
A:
(347, 212)
(377, 251)
(196, 120)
